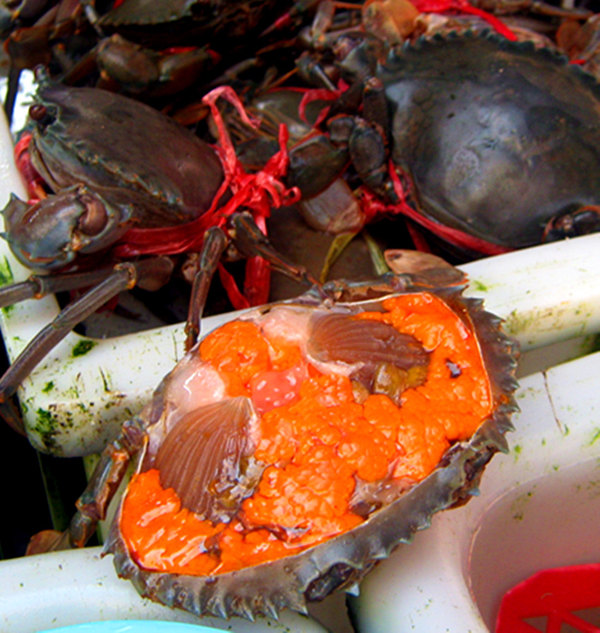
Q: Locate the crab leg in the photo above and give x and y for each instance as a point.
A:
(213, 246)
(123, 277)
(108, 474)
(92, 505)
(250, 241)
(14, 74)
(38, 286)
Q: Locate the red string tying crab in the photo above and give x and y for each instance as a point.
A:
(460, 133)
(258, 192)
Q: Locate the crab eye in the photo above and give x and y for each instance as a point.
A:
(37, 112)
(40, 113)
(94, 218)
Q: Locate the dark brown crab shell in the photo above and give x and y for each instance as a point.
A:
(188, 22)
(498, 137)
(342, 561)
(77, 146)
(81, 142)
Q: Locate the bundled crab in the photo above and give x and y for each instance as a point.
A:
(476, 131)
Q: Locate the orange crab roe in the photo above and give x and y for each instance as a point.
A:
(317, 440)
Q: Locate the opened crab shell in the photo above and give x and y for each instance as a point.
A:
(201, 438)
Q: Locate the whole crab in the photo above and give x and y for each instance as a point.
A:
(488, 143)
(121, 208)
(506, 151)
(295, 446)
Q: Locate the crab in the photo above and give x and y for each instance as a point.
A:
(506, 149)
(298, 444)
(486, 143)
(119, 211)
(146, 49)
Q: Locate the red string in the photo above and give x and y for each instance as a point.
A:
(238, 301)
(258, 192)
(33, 181)
(320, 94)
(372, 205)
(462, 6)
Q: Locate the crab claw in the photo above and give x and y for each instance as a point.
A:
(583, 221)
(74, 220)
(46, 541)
(314, 165)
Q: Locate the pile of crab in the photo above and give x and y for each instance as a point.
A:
(294, 447)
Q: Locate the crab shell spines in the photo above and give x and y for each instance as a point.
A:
(343, 560)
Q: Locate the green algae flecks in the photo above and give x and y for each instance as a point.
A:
(517, 451)
(519, 505)
(6, 278)
(478, 285)
(83, 347)
(6, 273)
(105, 381)
(46, 428)
(516, 323)
(45, 420)
(595, 436)
(48, 387)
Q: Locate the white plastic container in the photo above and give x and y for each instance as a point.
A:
(59, 589)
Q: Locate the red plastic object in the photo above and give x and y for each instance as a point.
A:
(553, 594)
